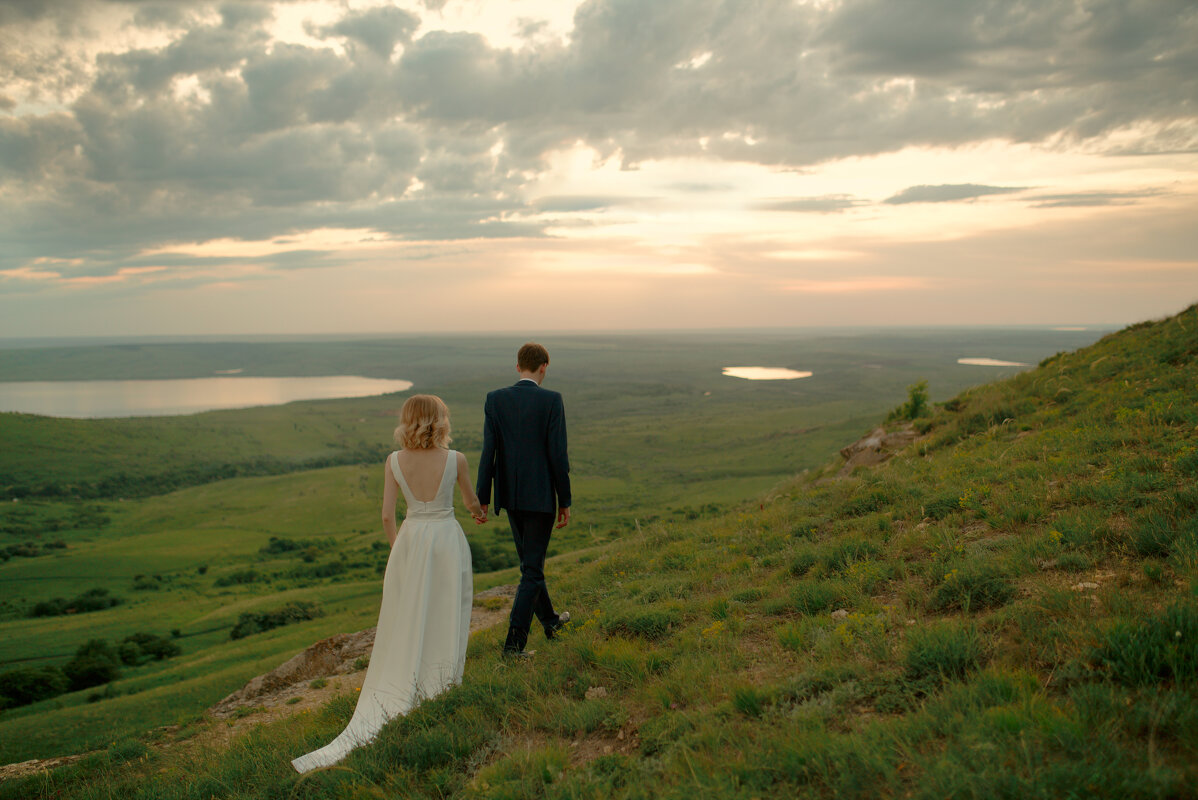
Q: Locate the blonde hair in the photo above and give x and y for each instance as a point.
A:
(423, 423)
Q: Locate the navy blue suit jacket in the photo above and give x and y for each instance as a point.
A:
(524, 450)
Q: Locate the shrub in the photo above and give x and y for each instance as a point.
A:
(278, 545)
(91, 600)
(947, 650)
(95, 663)
(256, 622)
(325, 570)
(238, 578)
(26, 685)
(139, 648)
(148, 583)
(1144, 652)
(916, 405)
(972, 588)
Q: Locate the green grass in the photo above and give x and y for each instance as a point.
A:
(1050, 665)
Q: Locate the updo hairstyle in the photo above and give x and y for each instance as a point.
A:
(423, 423)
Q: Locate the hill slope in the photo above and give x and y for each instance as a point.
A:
(1006, 609)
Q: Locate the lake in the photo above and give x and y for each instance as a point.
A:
(152, 398)
(765, 373)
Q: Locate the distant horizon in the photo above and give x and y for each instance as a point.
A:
(156, 338)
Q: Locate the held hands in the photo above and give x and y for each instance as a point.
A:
(563, 517)
(481, 517)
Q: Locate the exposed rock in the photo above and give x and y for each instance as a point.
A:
(336, 655)
(596, 692)
(332, 656)
(840, 613)
(875, 448)
(1080, 587)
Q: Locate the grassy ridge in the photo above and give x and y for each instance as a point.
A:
(1016, 615)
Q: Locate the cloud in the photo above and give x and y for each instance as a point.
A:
(1090, 199)
(823, 204)
(575, 203)
(189, 121)
(379, 29)
(947, 193)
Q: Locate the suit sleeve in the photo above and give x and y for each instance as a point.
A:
(486, 464)
(559, 461)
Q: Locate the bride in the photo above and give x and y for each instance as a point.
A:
(424, 624)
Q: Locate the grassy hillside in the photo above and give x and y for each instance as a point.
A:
(657, 433)
(1006, 609)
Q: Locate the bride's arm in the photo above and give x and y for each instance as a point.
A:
(468, 496)
(390, 493)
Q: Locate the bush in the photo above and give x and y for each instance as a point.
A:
(946, 650)
(148, 583)
(256, 622)
(278, 545)
(238, 578)
(91, 600)
(95, 663)
(916, 405)
(1145, 652)
(139, 648)
(326, 570)
(972, 588)
(26, 685)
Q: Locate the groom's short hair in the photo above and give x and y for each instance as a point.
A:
(531, 357)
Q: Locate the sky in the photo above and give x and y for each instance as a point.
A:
(197, 168)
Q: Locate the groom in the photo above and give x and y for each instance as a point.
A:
(524, 453)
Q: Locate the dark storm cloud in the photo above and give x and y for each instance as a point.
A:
(947, 193)
(222, 133)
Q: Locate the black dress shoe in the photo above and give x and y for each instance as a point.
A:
(562, 619)
(516, 639)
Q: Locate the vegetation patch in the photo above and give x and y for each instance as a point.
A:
(972, 587)
(96, 599)
(1145, 652)
(253, 622)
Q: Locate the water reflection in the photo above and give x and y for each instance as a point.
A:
(990, 362)
(93, 399)
(765, 373)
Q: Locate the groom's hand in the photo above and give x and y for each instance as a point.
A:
(563, 517)
(481, 518)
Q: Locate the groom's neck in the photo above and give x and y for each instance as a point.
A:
(535, 377)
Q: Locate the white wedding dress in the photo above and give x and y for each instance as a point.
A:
(424, 624)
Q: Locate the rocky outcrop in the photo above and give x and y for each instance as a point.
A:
(875, 448)
(338, 655)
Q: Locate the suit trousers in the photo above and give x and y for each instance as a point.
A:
(531, 531)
